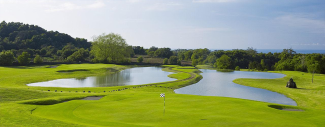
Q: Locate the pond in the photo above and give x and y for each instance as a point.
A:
(132, 76)
(216, 83)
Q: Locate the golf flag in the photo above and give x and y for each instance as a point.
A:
(162, 95)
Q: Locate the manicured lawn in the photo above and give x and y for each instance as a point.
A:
(308, 94)
(142, 106)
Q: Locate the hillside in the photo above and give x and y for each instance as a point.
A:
(16, 35)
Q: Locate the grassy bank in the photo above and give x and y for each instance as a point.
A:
(141, 105)
(308, 94)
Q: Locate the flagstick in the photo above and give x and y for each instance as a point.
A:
(164, 105)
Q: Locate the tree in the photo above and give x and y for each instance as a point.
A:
(140, 59)
(312, 68)
(173, 60)
(38, 59)
(194, 62)
(179, 62)
(110, 48)
(262, 64)
(6, 58)
(224, 62)
(79, 55)
(24, 59)
(165, 62)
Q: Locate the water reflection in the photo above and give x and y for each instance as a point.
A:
(220, 84)
(132, 76)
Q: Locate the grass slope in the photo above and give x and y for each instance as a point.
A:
(141, 105)
(308, 94)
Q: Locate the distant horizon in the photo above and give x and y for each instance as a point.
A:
(304, 51)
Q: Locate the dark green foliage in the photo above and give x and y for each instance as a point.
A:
(38, 59)
(173, 60)
(188, 55)
(224, 62)
(67, 50)
(80, 55)
(211, 59)
(151, 53)
(237, 68)
(15, 35)
(163, 52)
(6, 58)
(139, 50)
(165, 62)
(179, 62)
(140, 59)
(24, 59)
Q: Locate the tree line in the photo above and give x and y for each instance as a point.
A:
(29, 43)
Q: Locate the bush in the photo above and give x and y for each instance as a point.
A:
(24, 59)
(6, 58)
(237, 68)
(38, 59)
(165, 62)
(173, 60)
(140, 59)
(179, 62)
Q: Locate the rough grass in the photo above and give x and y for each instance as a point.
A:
(141, 105)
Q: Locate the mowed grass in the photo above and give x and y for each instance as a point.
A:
(129, 108)
(141, 106)
(308, 94)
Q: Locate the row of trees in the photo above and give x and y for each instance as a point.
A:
(288, 59)
(23, 42)
(7, 58)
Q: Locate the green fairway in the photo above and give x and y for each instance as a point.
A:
(21, 105)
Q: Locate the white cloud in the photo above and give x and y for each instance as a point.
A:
(213, 1)
(66, 6)
(163, 6)
(302, 21)
(98, 4)
(134, 1)
(63, 7)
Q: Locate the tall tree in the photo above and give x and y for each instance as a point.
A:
(109, 48)
(224, 62)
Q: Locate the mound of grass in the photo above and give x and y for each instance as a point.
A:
(308, 94)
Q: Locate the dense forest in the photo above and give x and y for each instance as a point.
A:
(26, 44)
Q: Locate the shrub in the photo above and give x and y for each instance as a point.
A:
(24, 59)
(38, 59)
(173, 60)
(6, 58)
(165, 62)
(179, 62)
(237, 68)
(140, 59)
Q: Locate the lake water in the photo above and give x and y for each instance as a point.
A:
(132, 76)
(216, 83)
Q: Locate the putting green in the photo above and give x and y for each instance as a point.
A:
(129, 108)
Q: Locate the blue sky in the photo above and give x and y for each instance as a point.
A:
(213, 24)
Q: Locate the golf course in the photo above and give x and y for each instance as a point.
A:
(141, 105)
